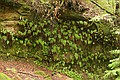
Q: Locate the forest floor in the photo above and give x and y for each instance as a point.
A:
(25, 70)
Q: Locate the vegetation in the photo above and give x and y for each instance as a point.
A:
(58, 35)
(4, 77)
(114, 66)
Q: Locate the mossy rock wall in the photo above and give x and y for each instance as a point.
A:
(69, 42)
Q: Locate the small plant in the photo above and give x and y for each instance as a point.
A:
(72, 74)
(4, 77)
(114, 66)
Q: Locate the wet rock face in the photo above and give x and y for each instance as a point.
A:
(11, 3)
(8, 18)
(10, 14)
(7, 13)
(10, 26)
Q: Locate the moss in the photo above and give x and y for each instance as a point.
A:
(4, 77)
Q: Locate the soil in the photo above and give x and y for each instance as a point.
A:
(24, 70)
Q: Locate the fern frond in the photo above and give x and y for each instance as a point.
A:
(114, 65)
(115, 51)
(116, 59)
(110, 73)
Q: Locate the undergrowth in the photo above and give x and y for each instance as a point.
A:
(67, 45)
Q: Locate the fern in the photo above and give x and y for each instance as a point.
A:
(115, 51)
(114, 66)
(114, 63)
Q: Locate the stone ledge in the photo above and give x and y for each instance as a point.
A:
(10, 26)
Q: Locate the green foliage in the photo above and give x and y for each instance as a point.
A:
(70, 73)
(7, 37)
(114, 71)
(4, 77)
(60, 43)
(68, 42)
(73, 75)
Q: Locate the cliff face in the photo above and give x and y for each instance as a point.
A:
(10, 14)
(47, 37)
(11, 11)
